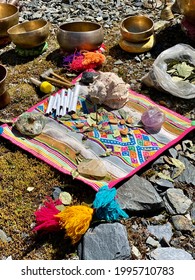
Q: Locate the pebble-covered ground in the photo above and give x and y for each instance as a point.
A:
(25, 181)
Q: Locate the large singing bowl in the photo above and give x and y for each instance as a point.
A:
(82, 35)
(187, 8)
(29, 34)
(9, 16)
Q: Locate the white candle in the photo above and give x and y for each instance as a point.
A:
(50, 104)
(62, 94)
(54, 103)
(58, 105)
(75, 95)
(69, 98)
(64, 106)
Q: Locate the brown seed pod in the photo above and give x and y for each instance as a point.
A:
(79, 125)
(113, 121)
(124, 131)
(74, 116)
(122, 121)
(129, 120)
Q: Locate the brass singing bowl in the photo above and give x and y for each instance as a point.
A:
(29, 34)
(9, 16)
(187, 8)
(3, 75)
(82, 35)
(136, 29)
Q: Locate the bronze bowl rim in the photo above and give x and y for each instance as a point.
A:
(137, 33)
(7, 5)
(9, 31)
(2, 67)
(79, 22)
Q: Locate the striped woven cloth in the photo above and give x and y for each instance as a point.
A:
(60, 141)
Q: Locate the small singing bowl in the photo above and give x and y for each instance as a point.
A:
(3, 75)
(9, 16)
(29, 34)
(136, 29)
(82, 35)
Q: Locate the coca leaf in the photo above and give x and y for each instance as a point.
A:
(184, 70)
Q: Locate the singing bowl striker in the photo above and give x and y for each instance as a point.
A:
(187, 8)
(82, 35)
(136, 29)
(29, 34)
(9, 16)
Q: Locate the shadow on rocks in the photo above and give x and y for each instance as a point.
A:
(57, 242)
(168, 38)
(56, 57)
(12, 58)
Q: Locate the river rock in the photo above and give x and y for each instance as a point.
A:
(152, 242)
(161, 231)
(105, 242)
(30, 123)
(187, 175)
(170, 253)
(94, 167)
(3, 236)
(192, 213)
(138, 194)
(176, 202)
(182, 223)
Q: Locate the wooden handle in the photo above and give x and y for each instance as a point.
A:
(35, 82)
(57, 82)
(61, 78)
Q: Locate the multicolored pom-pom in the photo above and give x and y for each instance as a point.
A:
(76, 220)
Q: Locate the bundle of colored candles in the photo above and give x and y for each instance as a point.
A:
(64, 102)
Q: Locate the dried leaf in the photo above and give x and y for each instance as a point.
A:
(116, 133)
(171, 71)
(123, 114)
(65, 118)
(107, 153)
(90, 121)
(93, 116)
(30, 189)
(6, 121)
(180, 167)
(176, 79)
(74, 173)
(60, 207)
(184, 70)
(168, 160)
(65, 198)
(166, 177)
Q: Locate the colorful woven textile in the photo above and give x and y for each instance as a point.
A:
(60, 141)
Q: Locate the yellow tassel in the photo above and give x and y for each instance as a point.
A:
(75, 220)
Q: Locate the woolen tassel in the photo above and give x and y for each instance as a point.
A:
(75, 220)
(106, 206)
(45, 216)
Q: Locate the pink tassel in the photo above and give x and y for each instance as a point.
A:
(45, 216)
(77, 64)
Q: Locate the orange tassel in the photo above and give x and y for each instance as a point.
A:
(75, 220)
(92, 57)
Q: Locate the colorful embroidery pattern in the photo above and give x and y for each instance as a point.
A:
(59, 144)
